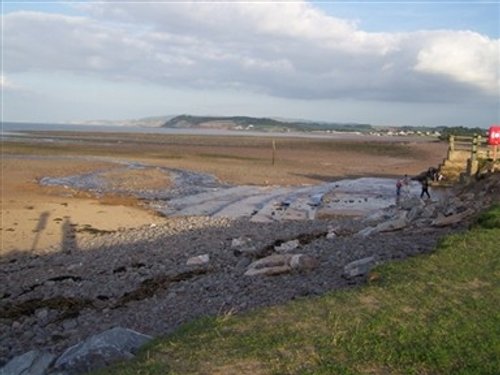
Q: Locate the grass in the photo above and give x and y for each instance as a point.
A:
(432, 314)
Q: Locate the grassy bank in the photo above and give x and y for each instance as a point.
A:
(433, 314)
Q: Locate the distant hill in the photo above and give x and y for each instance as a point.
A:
(146, 122)
(260, 124)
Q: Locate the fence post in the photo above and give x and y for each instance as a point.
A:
(473, 164)
(451, 146)
(274, 151)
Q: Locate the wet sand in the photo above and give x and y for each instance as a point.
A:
(38, 218)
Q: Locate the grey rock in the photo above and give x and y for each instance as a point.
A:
(397, 223)
(359, 267)
(415, 213)
(198, 260)
(302, 262)
(41, 314)
(408, 204)
(442, 221)
(378, 216)
(243, 262)
(287, 246)
(101, 350)
(429, 211)
(241, 242)
(365, 232)
(281, 263)
(31, 363)
(271, 265)
(243, 246)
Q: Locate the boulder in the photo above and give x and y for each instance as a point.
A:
(408, 204)
(243, 246)
(281, 263)
(31, 363)
(101, 350)
(288, 246)
(268, 271)
(443, 221)
(365, 232)
(415, 213)
(331, 235)
(302, 262)
(241, 242)
(359, 267)
(399, 222)
(379, 215)
(198, 260)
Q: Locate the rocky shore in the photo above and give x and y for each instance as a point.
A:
(155, 278)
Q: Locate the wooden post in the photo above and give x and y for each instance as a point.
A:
(274, 151)
(495, 157)
(479, 146)
(473, 164)
(474, 149)
(451, 146)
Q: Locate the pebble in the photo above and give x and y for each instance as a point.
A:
(163, 293)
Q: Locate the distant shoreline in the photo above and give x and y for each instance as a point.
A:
(18, 129)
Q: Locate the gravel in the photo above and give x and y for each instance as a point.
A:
(139, 279)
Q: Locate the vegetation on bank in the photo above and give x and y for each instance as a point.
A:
(276, 125)
(431, 314)
(262, 124)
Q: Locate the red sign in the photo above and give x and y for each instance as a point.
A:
(494, 135)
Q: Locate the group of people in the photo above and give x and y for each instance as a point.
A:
(403, 186)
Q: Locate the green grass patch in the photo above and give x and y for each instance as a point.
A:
(491, 218)
(432, 314)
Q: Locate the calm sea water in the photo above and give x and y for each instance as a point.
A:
(10, 129)
(16, 127)
(13, 127)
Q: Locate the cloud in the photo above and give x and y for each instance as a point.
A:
(287, 50)
(464, 57)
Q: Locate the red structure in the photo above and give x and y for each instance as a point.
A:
(494, 135)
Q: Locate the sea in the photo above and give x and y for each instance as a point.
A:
(9, 128)
(19, 129)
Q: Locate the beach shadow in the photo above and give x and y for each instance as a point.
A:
(40, 227)
(68, 241)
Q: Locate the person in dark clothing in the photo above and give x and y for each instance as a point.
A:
(425, 188)
(399, 184)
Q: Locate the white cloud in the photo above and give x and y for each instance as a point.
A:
(287, 50)
(464, 57)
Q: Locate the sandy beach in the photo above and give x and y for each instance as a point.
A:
(38, 218)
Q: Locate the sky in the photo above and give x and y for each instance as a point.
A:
(418, 63)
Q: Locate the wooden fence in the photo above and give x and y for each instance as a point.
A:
(471, 150)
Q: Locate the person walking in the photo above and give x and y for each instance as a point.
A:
(399, 184)
(425, 187)
(406, 185)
